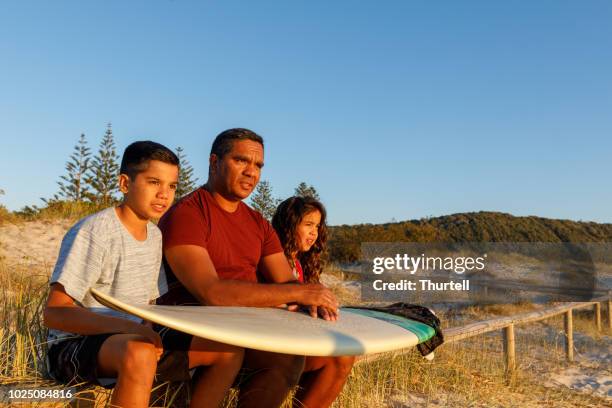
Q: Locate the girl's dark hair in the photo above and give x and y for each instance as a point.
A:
(285, 221)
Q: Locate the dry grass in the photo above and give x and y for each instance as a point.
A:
(6, 215)
(468, 373)
(22, 336)
(57, 210)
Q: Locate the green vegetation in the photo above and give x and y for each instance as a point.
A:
(90, 184)
(187, 181)
(263, 201)
(58, 210)
(304, 190)
(73, 186)
(483, 226)
(104, 171)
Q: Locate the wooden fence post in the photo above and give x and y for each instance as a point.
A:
(597, 310)
(509, 350)
(569, 336)
(610, 310)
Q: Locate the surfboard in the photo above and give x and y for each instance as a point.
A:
(356, 332)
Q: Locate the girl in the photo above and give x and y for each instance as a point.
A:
(300, 225)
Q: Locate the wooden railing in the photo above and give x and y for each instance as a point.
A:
(507, 324)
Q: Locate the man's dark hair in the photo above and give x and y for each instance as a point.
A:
(137, 156)
(225, 140)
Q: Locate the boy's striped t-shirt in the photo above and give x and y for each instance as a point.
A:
(99, 252)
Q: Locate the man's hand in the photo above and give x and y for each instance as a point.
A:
(323, 312)
(292, 307)
(315, 294)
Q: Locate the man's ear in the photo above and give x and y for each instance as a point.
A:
(213, 160)
(124, 182)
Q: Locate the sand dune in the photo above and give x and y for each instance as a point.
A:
(33, 243)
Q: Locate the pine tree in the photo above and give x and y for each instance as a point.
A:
(304, 190)
(104, 171)
(73, 187)
(187, 183)
(263, 201)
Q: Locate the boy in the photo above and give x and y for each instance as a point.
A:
(118, 251)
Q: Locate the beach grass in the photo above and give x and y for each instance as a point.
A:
(56, 210)
(467, 373)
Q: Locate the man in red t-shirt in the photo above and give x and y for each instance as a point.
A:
(214, 247)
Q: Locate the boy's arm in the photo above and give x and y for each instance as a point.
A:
(192, 265)
(62, 313)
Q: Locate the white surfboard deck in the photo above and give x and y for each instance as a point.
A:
(278, 330)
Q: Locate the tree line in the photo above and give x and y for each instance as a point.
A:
(345, 241)
(263, 200)
(95, 178)
(91, 181)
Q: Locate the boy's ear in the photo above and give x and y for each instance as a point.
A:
(124, 181)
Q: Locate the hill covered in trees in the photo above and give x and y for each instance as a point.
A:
(345, 240)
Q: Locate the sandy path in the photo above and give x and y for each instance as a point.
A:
(33, 243)
(591, 372)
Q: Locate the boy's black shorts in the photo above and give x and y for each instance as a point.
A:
(75, 360)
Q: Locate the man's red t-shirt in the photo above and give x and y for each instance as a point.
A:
(236, 242)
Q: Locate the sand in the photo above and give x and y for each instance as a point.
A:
(33, 244)
(591, 372)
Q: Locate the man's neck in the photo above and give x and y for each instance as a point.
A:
(228, 204)
(136, 226)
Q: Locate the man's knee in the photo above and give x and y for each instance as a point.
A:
(289, 367)
(286, 369)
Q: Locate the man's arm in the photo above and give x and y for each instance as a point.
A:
(193, 267)
(62, 313)
(275, 268)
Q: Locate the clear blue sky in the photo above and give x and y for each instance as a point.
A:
(394, 109)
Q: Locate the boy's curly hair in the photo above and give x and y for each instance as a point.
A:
(287, 217)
